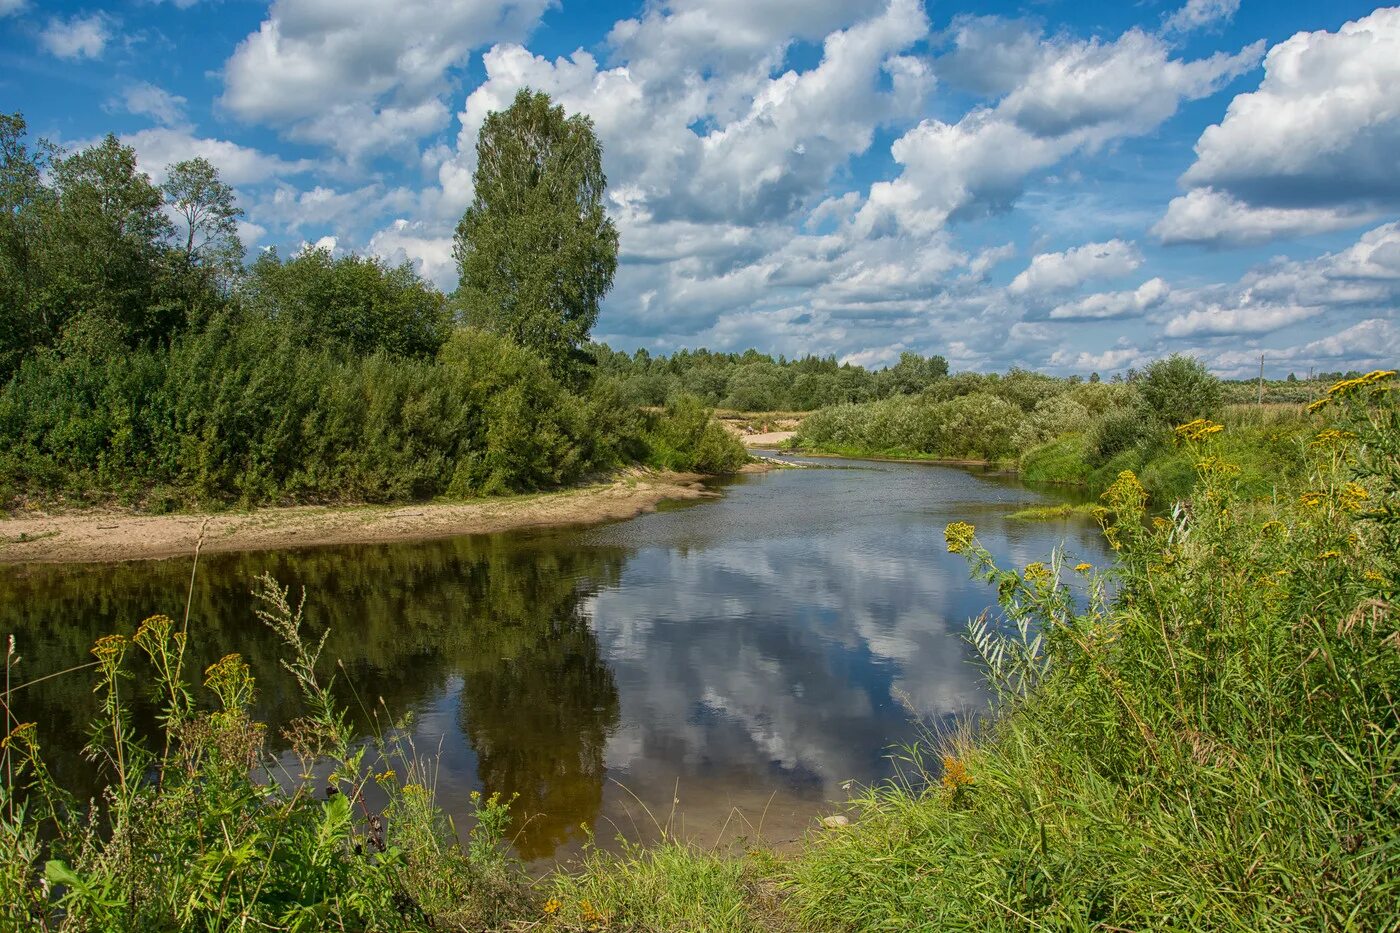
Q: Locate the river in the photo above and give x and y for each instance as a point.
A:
(725, 668)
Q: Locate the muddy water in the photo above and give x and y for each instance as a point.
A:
(724, 668)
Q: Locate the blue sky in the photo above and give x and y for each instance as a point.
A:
(1065, 186)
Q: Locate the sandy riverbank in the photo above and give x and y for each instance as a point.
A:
(111, 535)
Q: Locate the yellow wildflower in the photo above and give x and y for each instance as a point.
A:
(1199, 430)
(959, 536)
(955, 773)
(25, 731)
(1328, 555)
(1311, 500)
(1037, 572)
(109, 647)
(1083, 567)
(1352, 495)
(552, 905)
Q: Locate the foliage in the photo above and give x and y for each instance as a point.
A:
(684, 437)
(535, 249)
(359, 304)
(753, 381)
(185, 837)
(1179, 389)
(241, 412)
(1199, 740)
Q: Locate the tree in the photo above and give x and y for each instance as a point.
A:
(1179, 389)
(104, 259)
(206, 208)
(24, 200)
(536, 250)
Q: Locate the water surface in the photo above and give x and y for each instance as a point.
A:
(726, 667)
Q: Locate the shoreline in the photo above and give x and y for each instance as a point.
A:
(111, 535)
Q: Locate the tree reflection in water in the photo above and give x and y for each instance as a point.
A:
(505, 613)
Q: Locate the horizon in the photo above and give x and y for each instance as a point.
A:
(1061, 188)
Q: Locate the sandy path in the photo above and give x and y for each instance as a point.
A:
(109, 535)
(771, 439)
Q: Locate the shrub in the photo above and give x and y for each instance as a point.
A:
(686, 437)
(1179, 389)
(1122, 430)
(242, 412)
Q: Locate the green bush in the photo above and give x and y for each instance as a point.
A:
(1179, 389)
(243, 412)
(685, 437)
(1122, 430)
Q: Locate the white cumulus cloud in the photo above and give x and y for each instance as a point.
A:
(1052, 272)
(364, 76)
(77, 37)
(1134, 303)
(1312, 149)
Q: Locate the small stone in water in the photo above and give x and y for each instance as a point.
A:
(835, 821)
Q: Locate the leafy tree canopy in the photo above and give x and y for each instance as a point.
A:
(536, 250)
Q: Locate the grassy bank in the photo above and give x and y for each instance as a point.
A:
(1204, 737)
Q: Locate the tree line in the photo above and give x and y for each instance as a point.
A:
(142, 358)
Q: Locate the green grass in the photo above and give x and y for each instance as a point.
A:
(1050, 513)
(668, 886)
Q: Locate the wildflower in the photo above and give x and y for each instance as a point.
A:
(1352, 495)
(1328, 555)
(1349, 387)
(1219, 466)
(153, 631)
(588, 912)
(109, 648)
(385, 776)
(1311, 500)
(955, 774)
(1199, 430)
(552, 905)
(959, 536)
(1373, 576)
(24, 730)
(1273, 527)
(1083, 567)
(230, 680)
(1037, 572)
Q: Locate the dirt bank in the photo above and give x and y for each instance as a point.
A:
(112, 535)
(768, 439)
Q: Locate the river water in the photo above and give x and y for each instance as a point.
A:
(724, 668)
